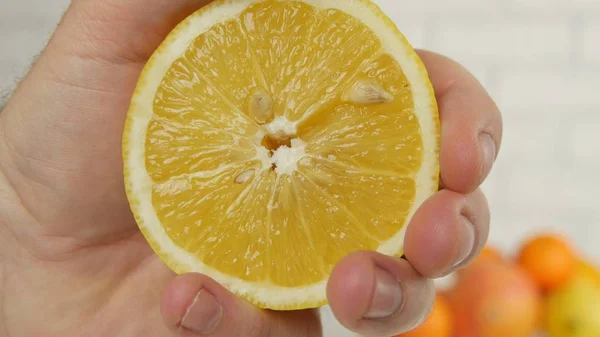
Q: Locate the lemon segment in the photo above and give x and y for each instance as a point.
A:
(268, 139)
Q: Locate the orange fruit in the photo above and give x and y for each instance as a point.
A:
(495, 300)
(489, 254)
(549, 260)
(268, 139)
(437, 324)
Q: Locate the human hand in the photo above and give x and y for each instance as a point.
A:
(72, 261)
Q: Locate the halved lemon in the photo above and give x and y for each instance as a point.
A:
(266, 140)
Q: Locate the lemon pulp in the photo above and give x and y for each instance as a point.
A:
(281, 139)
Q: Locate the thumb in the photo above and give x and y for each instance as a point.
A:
(196, 306)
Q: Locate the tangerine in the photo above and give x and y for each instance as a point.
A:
(549, 260)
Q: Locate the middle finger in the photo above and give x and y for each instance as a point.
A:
(447, 232)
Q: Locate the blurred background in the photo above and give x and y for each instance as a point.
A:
(539, 59)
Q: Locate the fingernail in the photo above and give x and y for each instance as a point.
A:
(489, 151)
(204, 314)
(467, 240)
(387, 298)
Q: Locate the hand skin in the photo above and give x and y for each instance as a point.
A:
(72, 262)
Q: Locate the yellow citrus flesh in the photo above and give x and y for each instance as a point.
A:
(267, 140)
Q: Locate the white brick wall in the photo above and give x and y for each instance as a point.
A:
(577, 6)
(428, 7)
(586, 138)
(591, 42)
(505, 40)
(540, 59)
(541, 88)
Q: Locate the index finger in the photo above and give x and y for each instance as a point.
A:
(471, 124)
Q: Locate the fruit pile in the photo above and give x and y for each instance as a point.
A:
(546, 290)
